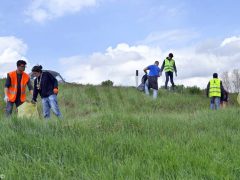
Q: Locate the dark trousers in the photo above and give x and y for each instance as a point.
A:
(10, 105)
(169, 74)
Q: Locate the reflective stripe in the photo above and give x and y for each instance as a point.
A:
(12, 92)
(13, 86)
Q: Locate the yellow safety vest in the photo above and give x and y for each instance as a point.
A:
(215, 88)
(168, 66)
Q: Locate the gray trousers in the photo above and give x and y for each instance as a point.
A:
(10, 105)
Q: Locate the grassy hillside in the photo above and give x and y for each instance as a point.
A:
(119, 133)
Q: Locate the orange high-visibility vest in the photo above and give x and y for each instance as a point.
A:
(12, 90)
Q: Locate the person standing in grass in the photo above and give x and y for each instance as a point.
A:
(47, 86)
(15, 87)
(214, 90)
(224, 98)
(169, 67)
(152, 78)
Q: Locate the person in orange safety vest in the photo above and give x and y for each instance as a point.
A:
(15, 87)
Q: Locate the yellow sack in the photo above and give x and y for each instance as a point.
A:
(238, 98)
(28, 110)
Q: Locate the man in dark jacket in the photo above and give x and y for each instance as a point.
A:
(47, 86)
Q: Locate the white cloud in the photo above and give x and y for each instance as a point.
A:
(43, 10)
(11, 50)
(118, 64)
(231, 40)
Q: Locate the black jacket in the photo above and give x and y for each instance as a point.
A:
(47, 84)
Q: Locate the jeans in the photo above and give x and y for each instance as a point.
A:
(169, 74)
(155, 92)
(48, 103)
(10, 105)
(214, 103)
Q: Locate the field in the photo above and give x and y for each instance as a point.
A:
(119, 133)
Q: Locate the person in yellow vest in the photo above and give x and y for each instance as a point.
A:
(169, 67)
(15, 87)
(214, 90)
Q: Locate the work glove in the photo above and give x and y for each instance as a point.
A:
(55, 90)
(6, 99)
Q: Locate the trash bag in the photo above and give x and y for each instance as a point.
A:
(141, 87)
(238, 98)
(28, 110)
(144, 78)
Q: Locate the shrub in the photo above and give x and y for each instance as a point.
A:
(179, 88)
(194, 90)
(107, 83)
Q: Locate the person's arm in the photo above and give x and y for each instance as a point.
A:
(55, 83)
(159, 73)
(6, 96)
(207, 90)
(175, 68)
(145, 70)
(8, 81)
(7, 85)
(35, 91)
(54, 80)
(162, 67)
(30, 87)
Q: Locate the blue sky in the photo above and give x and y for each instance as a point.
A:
(89, 41)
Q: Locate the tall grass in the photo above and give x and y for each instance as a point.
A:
(119, 133)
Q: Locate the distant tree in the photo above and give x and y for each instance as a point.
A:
(236, 80)
(226, 81)
(179, 88)
(194, 90)
(231, 80)
(107, 83)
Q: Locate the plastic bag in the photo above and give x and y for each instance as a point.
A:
(28, 110)
(141, 87)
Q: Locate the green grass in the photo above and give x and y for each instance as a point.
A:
(119, 133)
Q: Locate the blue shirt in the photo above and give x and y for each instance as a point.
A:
(153, 70)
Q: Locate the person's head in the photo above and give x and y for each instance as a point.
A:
(21, 65)
(156, 63)
(37, 71)
(215, 75)
(170, 55)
